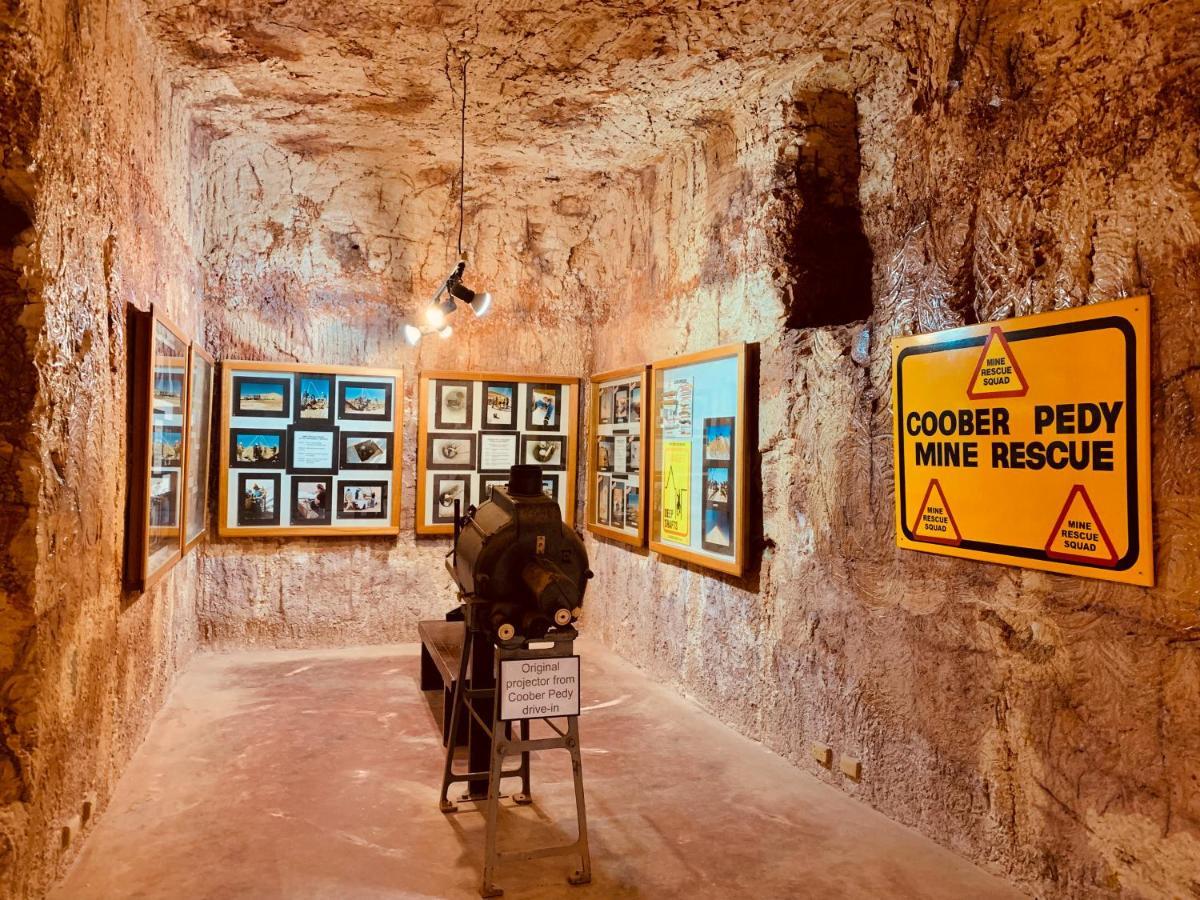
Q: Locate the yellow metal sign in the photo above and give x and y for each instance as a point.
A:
(1027, 442)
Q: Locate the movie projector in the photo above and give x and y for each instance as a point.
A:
(520, 570)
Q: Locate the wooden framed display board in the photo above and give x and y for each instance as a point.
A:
(698, 482)
(198, 440)
(158, 359)
(309, 450)
(616, 503)
(472, 426)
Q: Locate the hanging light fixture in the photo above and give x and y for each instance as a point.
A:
(443, 305)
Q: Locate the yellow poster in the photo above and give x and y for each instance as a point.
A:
(1027, 441)
(676, 491)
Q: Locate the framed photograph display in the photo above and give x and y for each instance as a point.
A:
(308, 451)
(698, 481)
(473, 426)
(616, 459)
(160, 422)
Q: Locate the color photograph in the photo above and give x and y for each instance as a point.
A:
(604, 453)
(717, 531)
(635, 403)
(312, 501)
(450, 451)
(258, 500)
(617, 504)
(542, 412)
(634, 462)
(632, 507)
(168, 390)
(367, 400)
(547, 452)
(453, 404)
(262, 397)
(718, 440)
(314, 397)
(167, 446)
(716, 485)
(366, 450)
(251, 448)
(550, 486)
(362, 499)
(500, 403)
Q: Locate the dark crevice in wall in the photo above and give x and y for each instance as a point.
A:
(817, 233)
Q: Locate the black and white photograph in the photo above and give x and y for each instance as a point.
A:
(621, 405)
(547, 451)
(635, 403)
(543, 407)
(312, 501)
(603, 499)
(499, 405)
(164, 498)
(446, 489)
(258, 499)
(449, 451)
(452, 404)
(606, 405)
(260, 397)
(368, 401)
(312, 449)
(486, 483)
(362, 499)
(314, 397)
(605, 447)
(498, 451)
(257, 448)
(617, 504)
(634, 462)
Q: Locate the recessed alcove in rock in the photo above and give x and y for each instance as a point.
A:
(281, 180)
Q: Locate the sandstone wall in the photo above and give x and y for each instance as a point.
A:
(315, 257)
(94, 176)
(1014, 159)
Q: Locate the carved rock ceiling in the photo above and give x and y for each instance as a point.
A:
(553, 86)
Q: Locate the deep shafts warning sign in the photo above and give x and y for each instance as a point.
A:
(1027, 442)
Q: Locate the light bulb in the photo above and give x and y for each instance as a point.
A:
(412, 335)
(435, 317)
(445, 332)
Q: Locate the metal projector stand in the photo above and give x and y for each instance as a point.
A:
(474, 691)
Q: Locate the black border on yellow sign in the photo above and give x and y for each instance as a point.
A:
(1131, 469)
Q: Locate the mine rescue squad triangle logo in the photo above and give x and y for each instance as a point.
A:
(997, 373)
(1079, 535)
(935, 522)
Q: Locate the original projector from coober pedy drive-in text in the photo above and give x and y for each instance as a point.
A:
(520, 569)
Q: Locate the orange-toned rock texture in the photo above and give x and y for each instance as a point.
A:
(643, 179)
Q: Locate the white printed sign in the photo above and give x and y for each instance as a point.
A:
(537, 688)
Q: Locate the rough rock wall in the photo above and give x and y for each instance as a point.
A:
(1015, 158)
(94, 215)
(318, 257)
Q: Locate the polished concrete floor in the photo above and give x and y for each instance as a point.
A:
(314, 775)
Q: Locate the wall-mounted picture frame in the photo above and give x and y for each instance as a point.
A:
(340, 428)
(616, 452)
(698, 458)
(364, 401)
(160, 422)
(201, 373)
(509, 417)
